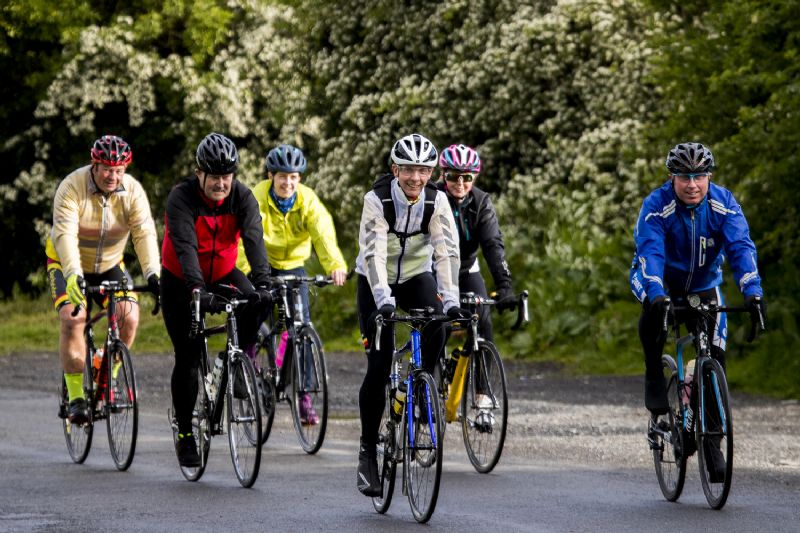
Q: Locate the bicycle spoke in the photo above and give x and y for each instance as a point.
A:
(244, 420)
(121, 406)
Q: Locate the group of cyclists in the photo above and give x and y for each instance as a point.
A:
(417, 248)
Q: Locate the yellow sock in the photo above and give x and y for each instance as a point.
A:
(74, 385)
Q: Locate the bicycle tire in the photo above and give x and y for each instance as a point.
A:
(122, 407)
(387, 463)
(422, 456)
(244, 421)
(714, 398)
(313, 382)
(201, 430)
(669, 459)
(438, 378)
(77, 437)
(484, 430)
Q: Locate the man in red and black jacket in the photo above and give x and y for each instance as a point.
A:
(206, 216)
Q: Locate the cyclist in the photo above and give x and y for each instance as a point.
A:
(207, 214)
(478, 227)
(294, 218)
(395, 268)
(685, 231)
(96, 208)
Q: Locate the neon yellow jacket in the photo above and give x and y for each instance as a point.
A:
(90, 229)
(288, 237)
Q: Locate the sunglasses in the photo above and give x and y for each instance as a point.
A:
(686, 178)
(453, 176)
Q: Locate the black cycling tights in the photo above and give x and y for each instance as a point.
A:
(418, 292)
(175, 308)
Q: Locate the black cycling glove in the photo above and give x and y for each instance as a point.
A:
(153, 283)
(757, 307)
(386, 311)
(211, 303)
(506, 299)
(458, 313)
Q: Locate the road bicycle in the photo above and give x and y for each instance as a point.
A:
(109, 381)
(473, 378)
(302, 379)
(699, 414)
(217, 393)
(410, 431)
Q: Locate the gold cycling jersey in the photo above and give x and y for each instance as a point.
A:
(91, 229)
(288, 238)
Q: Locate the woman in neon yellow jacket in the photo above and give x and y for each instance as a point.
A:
(294, 218)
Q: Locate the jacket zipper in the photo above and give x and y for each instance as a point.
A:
(213, 249)
(691, 265)
(103, 230)
(403, 244)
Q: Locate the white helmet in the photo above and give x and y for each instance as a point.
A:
(414, 149)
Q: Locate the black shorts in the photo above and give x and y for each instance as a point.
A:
(58, 284)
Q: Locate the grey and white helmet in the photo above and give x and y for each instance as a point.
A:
(414, 149)
(688, 158)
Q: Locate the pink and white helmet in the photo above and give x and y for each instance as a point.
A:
(460, 157)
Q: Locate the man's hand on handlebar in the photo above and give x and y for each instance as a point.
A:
(506, 299)
(210, 303)
(757, 307)
(458, 313)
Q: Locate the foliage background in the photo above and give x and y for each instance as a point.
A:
(572, 105)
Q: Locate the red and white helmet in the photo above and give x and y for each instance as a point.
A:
(112, 151)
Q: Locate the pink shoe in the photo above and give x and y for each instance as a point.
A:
(308, 415)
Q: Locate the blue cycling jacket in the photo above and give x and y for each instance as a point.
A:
(681, 249)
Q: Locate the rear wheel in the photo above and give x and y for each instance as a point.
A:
(309, 399)
(122, 408)
(423, 451)
(387, 465)
(267, 374)
(244, 420)
(484, 408)
(77, 436)
(714, 430)
(669, 455)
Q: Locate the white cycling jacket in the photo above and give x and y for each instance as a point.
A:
(386, 259)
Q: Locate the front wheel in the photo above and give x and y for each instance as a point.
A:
(309, 400)
(267, 376)
(714, 430)
(669, 455)
(244, 420)
(77, 436)
(201, 430)
(423, 451)
(122, 407)
(484, 408)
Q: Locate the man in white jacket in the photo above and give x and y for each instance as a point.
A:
(406, 228)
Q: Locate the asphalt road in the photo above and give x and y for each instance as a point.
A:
(575, 460)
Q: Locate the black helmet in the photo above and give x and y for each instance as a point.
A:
(286, 158)
(688, 158)
(216, 154)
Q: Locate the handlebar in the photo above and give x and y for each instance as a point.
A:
(707, 309)
(417, 318)
(110, 286)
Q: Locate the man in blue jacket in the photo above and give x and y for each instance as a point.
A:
(686, 230)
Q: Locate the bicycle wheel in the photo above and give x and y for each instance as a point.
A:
(442, 387)
(387, 464)
(484, 408)
(668, 456)
(122, 408)
(714, 430)
(244, 420)
(309, 400)
(266, 374)
(423, 448)
(201, 430)
(78, 437)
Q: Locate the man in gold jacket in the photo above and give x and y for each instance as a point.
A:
(96, 208)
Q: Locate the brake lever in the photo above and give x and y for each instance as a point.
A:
(522, 311)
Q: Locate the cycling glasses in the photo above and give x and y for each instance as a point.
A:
(698, 177)
(455, 176)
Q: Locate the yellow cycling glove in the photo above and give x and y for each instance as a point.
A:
(75, 290)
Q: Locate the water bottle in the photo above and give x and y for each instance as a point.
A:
(686, 392)
(97, 361)
(399, 398)
(216, 376)
(281, 349)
